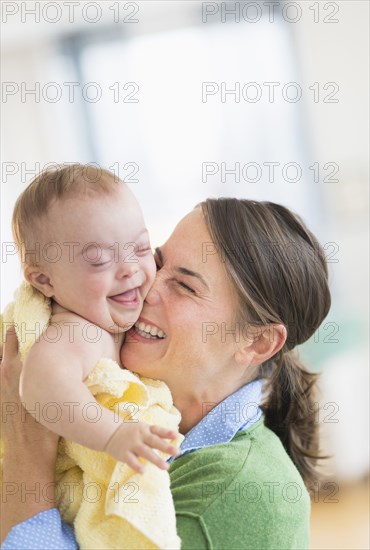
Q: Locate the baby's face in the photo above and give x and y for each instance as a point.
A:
(106, 267)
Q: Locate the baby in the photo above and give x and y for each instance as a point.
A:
(84, 245)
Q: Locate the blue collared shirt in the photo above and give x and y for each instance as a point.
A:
(237, 412)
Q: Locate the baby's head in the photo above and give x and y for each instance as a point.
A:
(84, 244)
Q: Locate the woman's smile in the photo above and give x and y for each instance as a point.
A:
(145, 330)
(186, 293)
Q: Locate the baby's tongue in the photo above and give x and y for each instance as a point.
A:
(128, 296)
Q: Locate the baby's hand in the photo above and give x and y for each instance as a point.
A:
(134, 439)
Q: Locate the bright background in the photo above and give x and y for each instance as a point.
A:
(151, 126)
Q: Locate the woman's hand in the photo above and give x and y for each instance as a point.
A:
(22, 435)
(30, 450)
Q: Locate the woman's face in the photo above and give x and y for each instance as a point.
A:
(193, 305)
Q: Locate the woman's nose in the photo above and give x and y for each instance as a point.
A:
(154, 297)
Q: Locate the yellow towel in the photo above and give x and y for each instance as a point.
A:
(108, 504)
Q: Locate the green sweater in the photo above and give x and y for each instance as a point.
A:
(245, 494)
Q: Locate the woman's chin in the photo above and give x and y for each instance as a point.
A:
(138, 354)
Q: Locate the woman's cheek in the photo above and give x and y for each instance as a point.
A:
(151, 271)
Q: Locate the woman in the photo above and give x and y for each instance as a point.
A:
(239, 285)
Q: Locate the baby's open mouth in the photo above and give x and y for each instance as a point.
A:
(148, 331)
(128, 297)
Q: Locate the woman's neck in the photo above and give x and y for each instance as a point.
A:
(191, 415)
(193, 407)
(195, 402)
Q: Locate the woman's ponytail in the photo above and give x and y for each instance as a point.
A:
(278, 270)
(290, 411)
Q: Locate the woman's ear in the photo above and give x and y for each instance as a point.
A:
(39, 280)
(262, 343)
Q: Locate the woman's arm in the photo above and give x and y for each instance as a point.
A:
(28, 482)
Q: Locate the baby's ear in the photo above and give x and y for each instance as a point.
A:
(39, 280)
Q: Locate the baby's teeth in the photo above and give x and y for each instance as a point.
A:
(141, 325)
(160, 333)
(147, 328)
(153, 331)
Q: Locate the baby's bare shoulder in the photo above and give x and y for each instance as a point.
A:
(78, 335)
(70, 342)
(78, 330)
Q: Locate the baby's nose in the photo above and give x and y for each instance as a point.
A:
(128, 268)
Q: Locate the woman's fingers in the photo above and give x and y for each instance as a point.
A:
(11, 367)
(10, 348)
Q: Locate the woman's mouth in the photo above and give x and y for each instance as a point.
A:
(148, 331)
(130, 298)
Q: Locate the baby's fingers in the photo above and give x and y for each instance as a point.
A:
(157, 443)
(150, 455)
(164, 432)
(132, 461)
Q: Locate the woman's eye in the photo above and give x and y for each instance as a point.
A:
(186, 287)
(158, 264)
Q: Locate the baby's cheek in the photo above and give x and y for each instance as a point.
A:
(97, 287)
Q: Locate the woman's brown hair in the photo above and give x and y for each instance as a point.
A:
(279, 271)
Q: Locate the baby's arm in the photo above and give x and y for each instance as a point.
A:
(52, 390)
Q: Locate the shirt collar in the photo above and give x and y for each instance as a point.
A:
(238, 411)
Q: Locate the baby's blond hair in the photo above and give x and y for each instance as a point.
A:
(53, 184)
